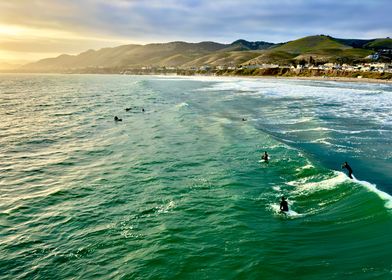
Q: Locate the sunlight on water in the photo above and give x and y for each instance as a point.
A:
(178, 191)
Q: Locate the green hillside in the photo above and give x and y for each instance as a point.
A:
(243, 45)
(223, 58)
(321, 48)
(311, 44)
(380, 44)
(273, 57)
(335, 55)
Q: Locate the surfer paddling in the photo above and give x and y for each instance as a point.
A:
(348, 167)
(265, 157)
(284, 206)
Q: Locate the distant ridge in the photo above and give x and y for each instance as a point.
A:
(182, 54)
(382, 43)
(243, 45)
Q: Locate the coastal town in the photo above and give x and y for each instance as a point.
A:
(372, 70)
(373, 66)
(381, 67)
(310, 56)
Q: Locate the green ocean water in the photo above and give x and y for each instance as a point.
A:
(178, 192)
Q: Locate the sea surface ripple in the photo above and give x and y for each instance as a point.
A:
(178, 191)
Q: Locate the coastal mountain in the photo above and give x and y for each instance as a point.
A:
(320, 48)
(168, 54)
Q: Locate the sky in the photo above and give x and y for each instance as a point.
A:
(35, 29)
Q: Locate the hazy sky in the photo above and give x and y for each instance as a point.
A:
(34, 29)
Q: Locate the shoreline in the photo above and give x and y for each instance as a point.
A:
(325, 79)
(305, 78)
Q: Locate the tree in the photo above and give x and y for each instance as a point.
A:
(311, 60)
(302, 62)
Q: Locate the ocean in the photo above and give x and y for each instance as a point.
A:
(179, 192)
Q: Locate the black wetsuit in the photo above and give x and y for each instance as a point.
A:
(350, 171)
(284, 206)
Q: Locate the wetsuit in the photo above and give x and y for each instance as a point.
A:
(350, 171)
(284, 206)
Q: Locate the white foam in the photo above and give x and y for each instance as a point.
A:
(165, 208)
(365, 95)
(182, 104)
(291, 213)
(310, 187)
(326, 142)
(303, 186)
(342, 131)
(307, 166)
(307, 129)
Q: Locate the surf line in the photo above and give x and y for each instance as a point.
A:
(339, 178)
(373, 188)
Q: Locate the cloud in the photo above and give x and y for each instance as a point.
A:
(90, 22)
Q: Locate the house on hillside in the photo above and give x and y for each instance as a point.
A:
(268, 66)
(380, 67)
(374, 56)
(253, 66)
(347, 67)
(205, 68)
(332, 66)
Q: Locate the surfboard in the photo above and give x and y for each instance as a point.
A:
(263, 160)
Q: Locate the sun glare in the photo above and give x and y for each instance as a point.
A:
(10, 30)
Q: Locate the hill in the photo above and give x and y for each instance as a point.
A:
(379, 44)
(167, 54)
(243, 45)
(227, 58)
(321, 48)
(182, 54)
(311, 44)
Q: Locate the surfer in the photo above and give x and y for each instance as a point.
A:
(128, 109)
(116, 119)
(284, 207)
(143, 110)
(265, 157)
(348, 167)
(243, 119)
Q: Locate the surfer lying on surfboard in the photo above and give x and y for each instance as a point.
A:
(265, 157)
